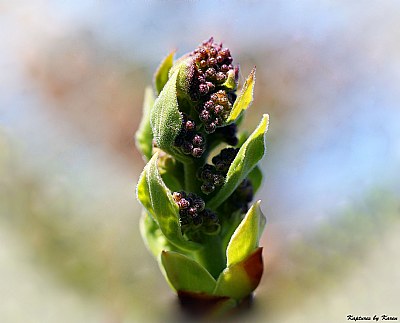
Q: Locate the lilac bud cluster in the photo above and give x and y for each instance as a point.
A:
(212, 67)
(193, 214)
(215, 111)
(213, 176)
(188, 140)
(242, 196)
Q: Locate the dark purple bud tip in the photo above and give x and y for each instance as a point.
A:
(209, 105)
(198, 140)
(210, 128)
(219, 180)
(224, 68)
(233, 141)
(207, 188)
(199, 204)
(204, 116)
(203, 88)
(190, 125)
(203, 53)
(213, 51)
(211, 61)
(225, 52)
(218, 109)
(197, 152)
(221, 166)
(183, 203)
(187, 148)
(214, 97)
(210, 73)
(192, 211)
(211, 86)
(220, 77)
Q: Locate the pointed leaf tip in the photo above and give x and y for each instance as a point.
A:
(144, 135)
(245, 97)
(246, 236)
(161, 75)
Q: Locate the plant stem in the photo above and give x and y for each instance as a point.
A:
(212, 257)
(191, 184)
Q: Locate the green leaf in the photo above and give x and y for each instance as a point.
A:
(161, 75)
(255, 177)
(166, 120)
(244, 99)
(246, 236)
(247, 158)
(157, 199)
(144, 136)
(241, 279)
(153, 237)
(185, 274)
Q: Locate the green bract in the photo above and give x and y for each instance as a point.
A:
(197, 218)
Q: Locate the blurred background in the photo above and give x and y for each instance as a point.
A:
(71, 88)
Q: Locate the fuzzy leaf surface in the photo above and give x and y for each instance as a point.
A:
(165, 118)
(247, 158)
(153, 237)
(244, 99)
(144, 135)
(185, 274)
(161, 75)
(246, 236)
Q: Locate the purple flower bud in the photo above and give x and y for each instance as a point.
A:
(204, 116)
(199, 204)
(203, 88)
(209, 105)
(211, 86)
(197, 152)
(224, 68)
(183, 204)
(198, 140)
(218, 109)
(210, 128)
(203, 53)
(225, 52)
(220, 77)
(190, 125)
(207, 188)
(187, 148)
(219, 180)
(213, 51)
(211, 61)
(210, 73)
